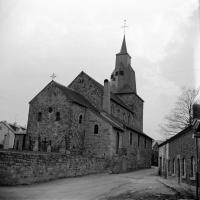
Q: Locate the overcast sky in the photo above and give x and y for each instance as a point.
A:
(39, 37)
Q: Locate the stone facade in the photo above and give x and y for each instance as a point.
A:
(181, 160)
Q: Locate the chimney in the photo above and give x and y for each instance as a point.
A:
(106, 96)
(196, 111)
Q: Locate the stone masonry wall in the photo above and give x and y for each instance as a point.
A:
(136, 105)
(66, 134)
(183, 147)
(31, 167)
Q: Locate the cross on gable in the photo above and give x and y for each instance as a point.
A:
(53, 76)
(124, 26)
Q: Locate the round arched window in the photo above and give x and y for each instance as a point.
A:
(96, 129)
(80, 119)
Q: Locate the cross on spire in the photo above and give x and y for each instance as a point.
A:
(53, 76)
(124, 26)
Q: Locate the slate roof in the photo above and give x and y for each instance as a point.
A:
(123, 48)
(16, 129)
(189, 128)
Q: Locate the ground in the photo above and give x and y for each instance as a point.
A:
(142, 184)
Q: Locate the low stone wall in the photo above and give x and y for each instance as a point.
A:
(31, 167)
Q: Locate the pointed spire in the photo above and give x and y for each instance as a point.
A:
(123, 48)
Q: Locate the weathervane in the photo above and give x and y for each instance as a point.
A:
(124, 26)
(53, 76)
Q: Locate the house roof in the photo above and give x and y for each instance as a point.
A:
(189, 128)
(15, 128)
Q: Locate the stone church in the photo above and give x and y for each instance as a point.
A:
(87, 118)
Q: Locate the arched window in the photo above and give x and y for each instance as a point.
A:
(39, 118)
(96, 129)
(50, 109)
(80, 119)
(57, 116)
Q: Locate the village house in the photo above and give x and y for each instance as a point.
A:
(154, 156)
(12, 136)
(87, 118)
(177, 155)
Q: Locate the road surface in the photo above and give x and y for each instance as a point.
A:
(142, 184)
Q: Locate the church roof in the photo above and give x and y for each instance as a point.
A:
(123, 47)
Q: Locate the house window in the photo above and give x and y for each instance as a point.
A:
(112, 77)
(50, 109)
(183, 167)
(169, 166)
(121, 73)
(116, 73)
(138, 140)
(117, 143)
(39, 117)
(131, 138)
(192, 166)
(173, 167)
(96, 129)
(80, 119)
(57, 116)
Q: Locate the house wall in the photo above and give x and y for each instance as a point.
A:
(183, 147)
(163, 157)
(7, 137)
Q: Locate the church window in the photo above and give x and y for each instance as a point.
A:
(80, 119)
(116, 73)
(39, 117)
(121, 73)
(57, 116)
(50, 109)
(96, 129)
(131, 138)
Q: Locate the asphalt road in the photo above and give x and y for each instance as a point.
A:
(134, 185)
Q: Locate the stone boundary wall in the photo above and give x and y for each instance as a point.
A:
(31, 167)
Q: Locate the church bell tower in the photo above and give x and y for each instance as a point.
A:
(123, 76)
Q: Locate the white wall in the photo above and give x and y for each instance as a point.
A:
(7, 137)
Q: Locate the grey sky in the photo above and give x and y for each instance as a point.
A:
(39, 37)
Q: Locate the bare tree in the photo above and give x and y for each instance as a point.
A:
(181, 115)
